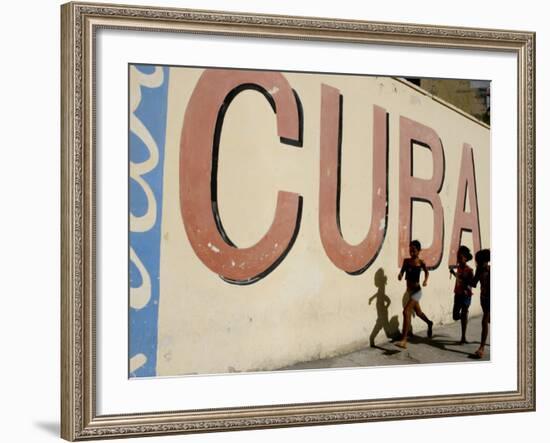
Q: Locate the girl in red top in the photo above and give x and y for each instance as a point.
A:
(463, 288)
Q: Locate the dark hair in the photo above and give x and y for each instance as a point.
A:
(483, 256)
(416, 244)
(465, 251)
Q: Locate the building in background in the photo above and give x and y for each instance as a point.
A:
(472, 96)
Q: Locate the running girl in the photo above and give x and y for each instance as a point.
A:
(463, 289)
(411, 268)
(483, 276)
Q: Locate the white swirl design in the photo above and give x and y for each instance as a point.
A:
(137, 80)
(140, 296)
(137, 361)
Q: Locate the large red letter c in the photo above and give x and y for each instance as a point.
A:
(198, 175)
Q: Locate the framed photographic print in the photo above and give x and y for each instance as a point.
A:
(283, 221)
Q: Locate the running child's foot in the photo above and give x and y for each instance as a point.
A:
(479, 353)
(463, 341)
(430, 329)
(401, 344)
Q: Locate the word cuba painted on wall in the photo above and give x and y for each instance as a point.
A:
(199, 147)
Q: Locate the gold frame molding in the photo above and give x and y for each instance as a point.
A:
(79, 23)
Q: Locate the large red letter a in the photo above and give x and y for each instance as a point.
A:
(466, 221)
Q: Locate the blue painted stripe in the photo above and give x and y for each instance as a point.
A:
(143, 323)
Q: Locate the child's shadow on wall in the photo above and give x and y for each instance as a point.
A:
(383, 322)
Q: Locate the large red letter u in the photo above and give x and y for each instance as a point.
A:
(354, 259)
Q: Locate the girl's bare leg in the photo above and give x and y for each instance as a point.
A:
(464, 324)
(407, 313)
(485, 328)
(423, 316)
(484, 334)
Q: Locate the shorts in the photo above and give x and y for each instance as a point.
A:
(415, 295)
(485, 304)
(461, 305)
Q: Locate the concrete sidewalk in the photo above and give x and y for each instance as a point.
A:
(443, 347)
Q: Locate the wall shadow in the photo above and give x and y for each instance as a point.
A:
(383, 322)
(442, 343)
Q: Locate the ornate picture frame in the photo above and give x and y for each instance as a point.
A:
(81, 240)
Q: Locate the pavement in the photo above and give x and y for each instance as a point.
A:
(443, 347)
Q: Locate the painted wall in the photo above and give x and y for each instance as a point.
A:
(307, 308)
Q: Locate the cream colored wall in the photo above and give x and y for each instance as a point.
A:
(306, 308)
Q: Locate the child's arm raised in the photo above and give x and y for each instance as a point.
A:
(476, 277)
(470, 278)
(426, 273)
(403, 267)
